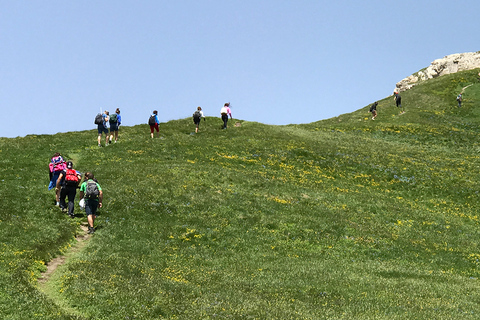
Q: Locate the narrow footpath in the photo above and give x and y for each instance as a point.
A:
(82, 238)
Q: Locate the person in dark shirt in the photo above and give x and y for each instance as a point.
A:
(373, 110)
(398, 101)
(67, 182)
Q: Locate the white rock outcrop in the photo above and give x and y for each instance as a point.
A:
(449, 64)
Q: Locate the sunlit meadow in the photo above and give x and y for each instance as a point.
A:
(346, 218)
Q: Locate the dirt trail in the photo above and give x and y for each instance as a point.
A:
(463, 89)
(82, 237)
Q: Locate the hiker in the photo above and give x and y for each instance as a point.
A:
(373, 110)
(153, 122)
(225, 111)
(398, 101)
(459, 100)
(56, 166)
(197, 116)
(92, 195)
(115, 120)
(67, 184)
(102, 128)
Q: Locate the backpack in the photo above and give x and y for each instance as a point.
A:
(57, 164)
(71, 178)
(91, 191)
(151, 120)
(197, 115)
(98, 119)
(459, 97)
(113, 118)
(223, 110)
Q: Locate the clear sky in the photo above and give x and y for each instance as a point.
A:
(276, 61)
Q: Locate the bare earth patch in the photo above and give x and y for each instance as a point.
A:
(81, 238)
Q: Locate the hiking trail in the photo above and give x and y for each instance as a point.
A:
(463, 89)
(81, 239)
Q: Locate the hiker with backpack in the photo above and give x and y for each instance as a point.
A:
(92, 195)
(225, 111)
(398, 101)
(102, 127)
(67, 183)
(373, 110)
(459, 100)
(55, 167)
(115, 120)
(197, 116)
(153, 123)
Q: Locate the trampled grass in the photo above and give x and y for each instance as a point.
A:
(345, 218)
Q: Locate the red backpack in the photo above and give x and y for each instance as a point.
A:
(71, 178)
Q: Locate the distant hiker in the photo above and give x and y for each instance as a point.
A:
(398, 101)
(197, 116)
(91, 193)
(153, 122)
(55, 167)
(225, 112)
(102, 128)
(67, 182)
(373, 110)
(459, 100)
(115, 120)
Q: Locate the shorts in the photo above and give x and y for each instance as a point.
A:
(102, 129)
(154, 127)
(196, 121)
(113, 127)
(91, 206)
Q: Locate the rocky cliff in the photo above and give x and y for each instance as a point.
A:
(449, 64)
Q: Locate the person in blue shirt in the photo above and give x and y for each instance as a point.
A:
(115, 121)
(56, 166)
(154, 125)
(102, 128)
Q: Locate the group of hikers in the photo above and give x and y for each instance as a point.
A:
(66, 181)
(225, 112)
(104, 121)
(398, 102)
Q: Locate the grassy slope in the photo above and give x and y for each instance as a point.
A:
(345, 218)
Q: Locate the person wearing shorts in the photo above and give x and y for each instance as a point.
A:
(114, 126)
(102, 128)
(197, 116)
(91, 204)
(155, 126)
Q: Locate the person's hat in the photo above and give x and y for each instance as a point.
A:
(69, 165)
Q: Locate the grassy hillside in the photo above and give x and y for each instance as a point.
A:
(346, 218)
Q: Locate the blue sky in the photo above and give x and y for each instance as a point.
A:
(277, 62)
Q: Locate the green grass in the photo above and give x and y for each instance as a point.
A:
(345, 218)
